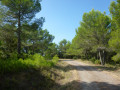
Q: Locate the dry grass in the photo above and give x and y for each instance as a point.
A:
(70, 76)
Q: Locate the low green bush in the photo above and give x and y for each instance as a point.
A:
(35, 61)
(13, 56)
(116, 58)
(48, 57)
(55, 59)
(97, 62)
(75, 57)
(93, 59)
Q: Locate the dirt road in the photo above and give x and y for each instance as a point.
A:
(90, 78)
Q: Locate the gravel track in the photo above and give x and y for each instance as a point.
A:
(91, 78)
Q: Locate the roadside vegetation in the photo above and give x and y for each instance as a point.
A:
(35, 61)
(27, 53)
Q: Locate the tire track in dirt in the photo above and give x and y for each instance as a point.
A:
(91, 78)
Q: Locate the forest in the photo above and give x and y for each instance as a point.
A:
(25, 45)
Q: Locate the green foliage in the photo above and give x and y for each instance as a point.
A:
(20, 11)
(116, 58)
(63, 47)
(92, 35)
(8, 41)
(75, 57)
(33, 38)
(93, 59)
(115, 13)
(35, 61)
(114, 41)
(48, 57)
(13, 56)
(97, 62)
(115, 31)
(27, 8)
(55, 59)
(51, 51)
(36, 40)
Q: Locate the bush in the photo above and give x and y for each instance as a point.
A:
(97, 62)
(116, 58)
(75, 57)
(12, 66)
(40, 61)
(48, 57)
(13, 56)
(35, 61)
(93, 59)
(83, 57)
(55, 59)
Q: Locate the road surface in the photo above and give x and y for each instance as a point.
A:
(90, 78)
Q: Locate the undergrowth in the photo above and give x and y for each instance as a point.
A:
(35, 61)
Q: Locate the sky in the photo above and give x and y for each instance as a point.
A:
(62, 17)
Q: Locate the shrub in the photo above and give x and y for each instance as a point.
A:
(35, 61)
(83, 57)
(97, 62)
(55, 59)
(75, 57)
(116, 58)
(13, 56)
(48, 57)
(12, 66)
(93, 59)
(40, 61)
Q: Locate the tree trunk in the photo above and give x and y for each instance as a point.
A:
(97, 56)
(26, 50)
(100, 57)
(103, 57)
(19, 36)
(33, 48)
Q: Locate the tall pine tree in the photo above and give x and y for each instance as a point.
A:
(22, 10)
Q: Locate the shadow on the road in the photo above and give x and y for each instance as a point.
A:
(93, 68)
(85, 68)
(77, 85)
